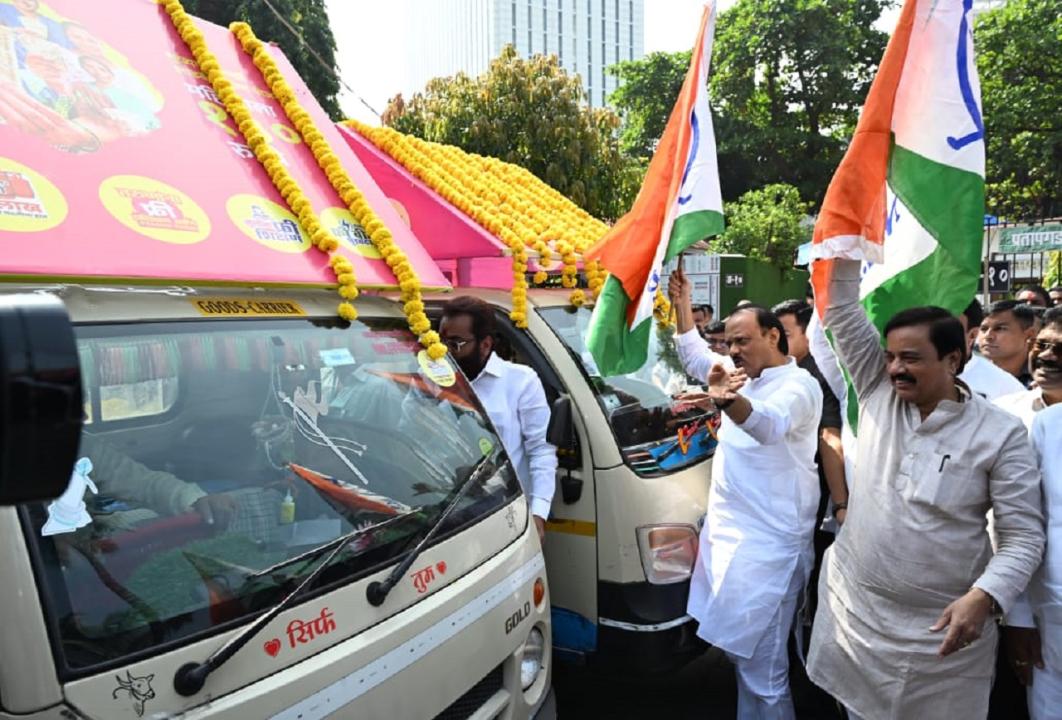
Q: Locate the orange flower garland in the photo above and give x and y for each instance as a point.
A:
(379, 235)
(504, 199)
(285, 184)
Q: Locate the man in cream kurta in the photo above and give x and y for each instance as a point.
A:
(756, 545)
(914, 562)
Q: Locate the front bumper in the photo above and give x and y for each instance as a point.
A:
(644, 628)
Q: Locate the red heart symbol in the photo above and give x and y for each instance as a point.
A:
(441, 567)
(272, 647)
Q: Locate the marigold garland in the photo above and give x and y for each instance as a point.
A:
(256, 139)
(379, 235)
(504, 199)
(662, 309)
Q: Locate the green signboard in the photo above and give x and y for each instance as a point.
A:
(1030, 238)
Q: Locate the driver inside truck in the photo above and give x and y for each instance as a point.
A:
(135, 492)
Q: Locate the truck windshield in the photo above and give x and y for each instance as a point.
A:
(219, 456)
(657, 430)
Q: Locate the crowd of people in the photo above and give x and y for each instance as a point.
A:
(921, 541)
(940, 505)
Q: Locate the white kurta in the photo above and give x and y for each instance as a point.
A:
(916, 539)
(761, 506)
(986, 379)
(1041, 605)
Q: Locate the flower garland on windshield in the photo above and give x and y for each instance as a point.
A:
(270, 160)
(379, 235)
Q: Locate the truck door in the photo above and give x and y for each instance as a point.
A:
(571, 532)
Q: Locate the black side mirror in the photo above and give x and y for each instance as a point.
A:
(561, 430)
(561, 434)
(40, 398)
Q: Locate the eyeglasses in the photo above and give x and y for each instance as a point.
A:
(455, 344)
(714, 342)
(1042, 346)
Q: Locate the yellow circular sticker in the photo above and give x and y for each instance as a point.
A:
(438, 371)
(155, 209)
(28, 201)
(267, 223)
(341, 223)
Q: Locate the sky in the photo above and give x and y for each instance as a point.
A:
(372, 57)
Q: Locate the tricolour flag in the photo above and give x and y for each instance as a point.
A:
(908, 197)
(679, 203)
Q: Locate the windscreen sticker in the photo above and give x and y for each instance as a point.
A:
(136, 689)
(336, 357)
(330, 700)
(68, 513)
(426, 576)
(240, 307)
(485, 446)
(438, 371)
(301, 632)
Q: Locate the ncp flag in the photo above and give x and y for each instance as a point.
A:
(908, 198)
(679, 203)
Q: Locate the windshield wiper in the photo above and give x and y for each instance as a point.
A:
(342, 539)
(191, 677)
(377, 591)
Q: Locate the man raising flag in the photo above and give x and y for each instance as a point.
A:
(678, 205)
(904, 624)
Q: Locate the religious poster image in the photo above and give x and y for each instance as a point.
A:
(63, 84)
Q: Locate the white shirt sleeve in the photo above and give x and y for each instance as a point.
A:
(696, 357)
(793, 404)
(533, 412)
(1021, 614)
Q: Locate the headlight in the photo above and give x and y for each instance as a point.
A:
(668, 552)
(531, 664)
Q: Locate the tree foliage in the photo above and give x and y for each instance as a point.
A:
(531, 113)
(646, 92)
(1019, 60)
(308, 17)
(769, 224)
(788, 80)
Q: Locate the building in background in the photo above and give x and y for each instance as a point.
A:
(450, 36)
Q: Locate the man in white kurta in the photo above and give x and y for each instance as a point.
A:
(903, 627)
(756, 545)
(1034, 625)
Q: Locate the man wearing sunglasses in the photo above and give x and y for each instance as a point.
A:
(512, 395)
(1033, 635)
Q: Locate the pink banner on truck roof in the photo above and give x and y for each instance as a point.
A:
(444, 230)
(117, 160)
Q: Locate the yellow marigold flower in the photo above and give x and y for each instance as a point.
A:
(348, 292)
(540, 277)
(347, 312)
(437, 351)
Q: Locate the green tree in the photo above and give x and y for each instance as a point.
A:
(307, 18)
(788, 80)
(768, 224)
(531, 113)
(1019, 60)
(646, 92)
(648, 89)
